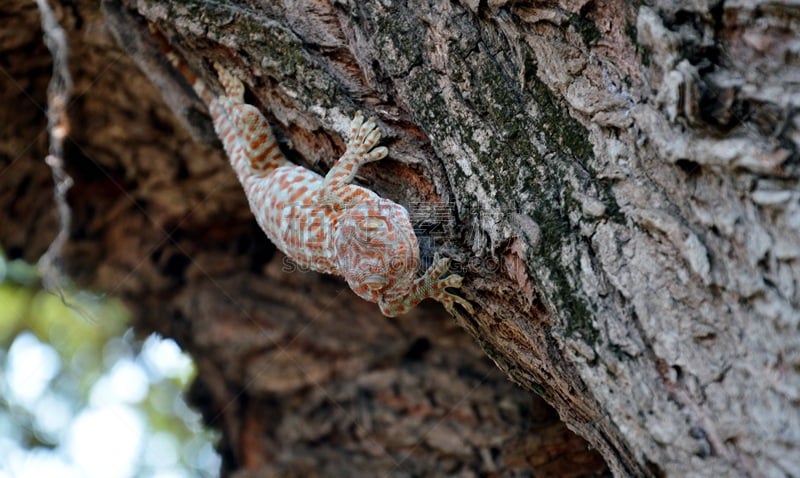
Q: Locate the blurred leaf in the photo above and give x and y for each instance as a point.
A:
(21, 272)
(94, 344)
(15, 301)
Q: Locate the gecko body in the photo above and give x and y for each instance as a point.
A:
(326, 223)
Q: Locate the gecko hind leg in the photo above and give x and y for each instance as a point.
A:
(364, 135)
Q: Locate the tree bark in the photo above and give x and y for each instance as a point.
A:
(618, 184)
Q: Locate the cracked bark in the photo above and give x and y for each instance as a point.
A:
(618, 182)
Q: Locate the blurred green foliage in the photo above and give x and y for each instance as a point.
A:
(78, 360)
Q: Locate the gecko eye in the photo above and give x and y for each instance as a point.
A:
(373, 224)
(375, 282)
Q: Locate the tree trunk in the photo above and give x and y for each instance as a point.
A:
(617, 183)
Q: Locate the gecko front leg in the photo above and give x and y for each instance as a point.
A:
(430, 285)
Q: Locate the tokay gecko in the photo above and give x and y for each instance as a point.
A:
(326, 224)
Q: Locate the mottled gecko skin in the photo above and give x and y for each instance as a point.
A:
(327, 224)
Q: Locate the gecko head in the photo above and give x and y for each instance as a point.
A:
(376, 249)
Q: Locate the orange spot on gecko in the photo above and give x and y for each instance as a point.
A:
(298, 193)
(258, 142)
(270, 148)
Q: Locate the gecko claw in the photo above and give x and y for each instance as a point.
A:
(439, 285)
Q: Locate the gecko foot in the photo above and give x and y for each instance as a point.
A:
(364, 135)
(437, 286)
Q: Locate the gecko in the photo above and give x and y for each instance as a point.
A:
(326, 224)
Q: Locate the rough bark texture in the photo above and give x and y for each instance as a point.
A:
(302, 377)
(618, 182)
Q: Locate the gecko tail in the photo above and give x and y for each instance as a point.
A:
(177, 61)
(244, 131)
(255, 134)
